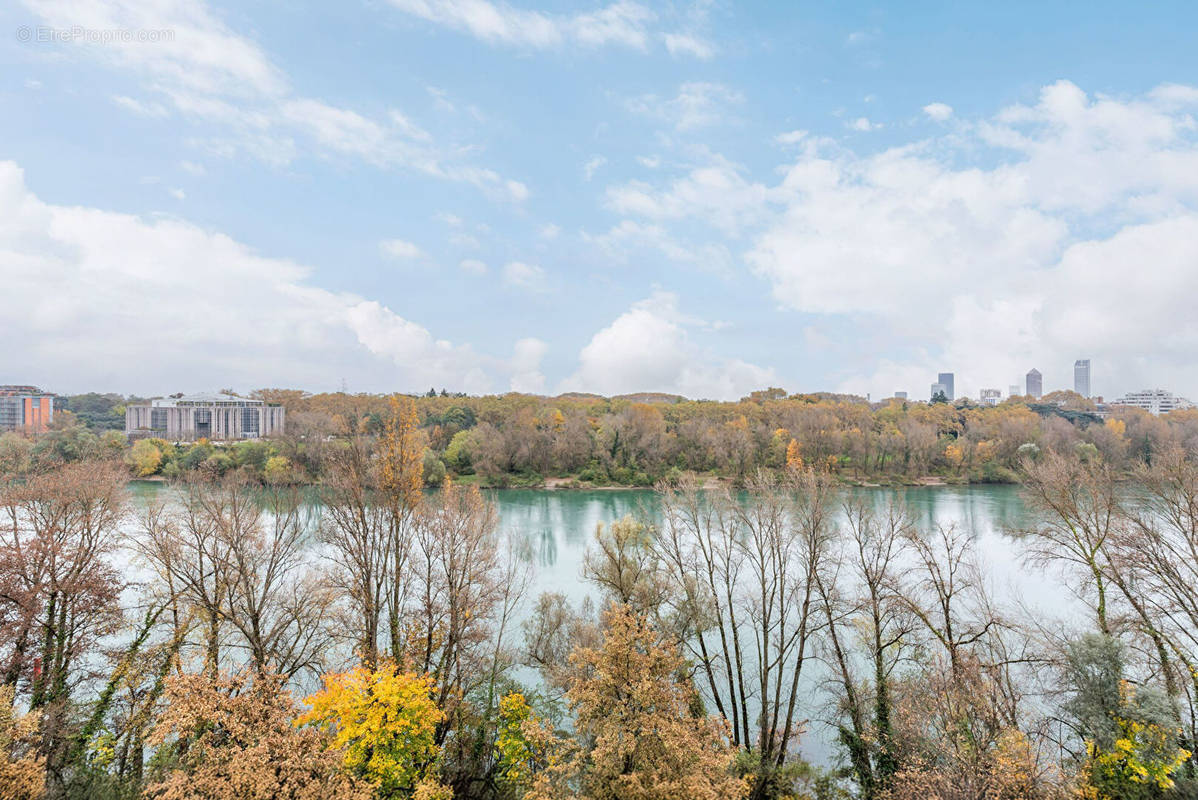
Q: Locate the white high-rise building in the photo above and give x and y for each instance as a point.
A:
(1081, 377)
(1154, 401)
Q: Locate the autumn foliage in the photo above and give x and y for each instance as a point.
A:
(384, 721)
(644, 740)
(154, 649)
(234, 738)
(22, 768)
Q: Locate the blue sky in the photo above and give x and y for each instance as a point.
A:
(704, 198)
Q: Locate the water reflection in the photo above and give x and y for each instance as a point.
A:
(552, 530)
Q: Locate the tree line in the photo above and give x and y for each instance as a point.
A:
(230, 642)
(638, 440)
(512, 440)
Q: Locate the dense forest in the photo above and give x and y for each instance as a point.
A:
(586, 440)
(230, 642)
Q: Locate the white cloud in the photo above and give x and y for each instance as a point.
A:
(192, 167)
(684, 44)
(207, 73)
(177, 193)
(526, 366)
(649, 348)
(649, 162)
(698, 104)
(1053, 230)
(524, 276)
(138, 107)
(629, 236)
(549, 231)
(200, 309)
(516, 190)
(863, 124)
(624, 24)
(1073, 237)
(791, 137)
(593, 164)
(473, 266)
(400, 249)
(938, 111)
(716, 193)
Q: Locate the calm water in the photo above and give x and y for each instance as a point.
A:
(554, 528)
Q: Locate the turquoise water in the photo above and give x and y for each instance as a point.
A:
(553, 528)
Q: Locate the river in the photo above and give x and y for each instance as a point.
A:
(553, 528)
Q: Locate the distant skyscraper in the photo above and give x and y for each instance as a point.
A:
(900, 395)
(946, 378)
(1081, 377)
(939, 388)
(990, 397)
(1035, 383)
(1012, 390)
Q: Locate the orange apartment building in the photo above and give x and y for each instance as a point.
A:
(25, 408)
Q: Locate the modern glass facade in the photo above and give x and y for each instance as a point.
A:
(946, 380)
(216, 417)
(1081, 377)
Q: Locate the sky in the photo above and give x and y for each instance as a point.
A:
(703, 198)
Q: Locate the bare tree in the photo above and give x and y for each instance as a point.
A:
(356, 529)
(743, 579)
(237, 555)
(944, 590)
(59, 591)
(868, 630)
(1076, 511)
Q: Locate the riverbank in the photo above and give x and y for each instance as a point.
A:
(573, 482)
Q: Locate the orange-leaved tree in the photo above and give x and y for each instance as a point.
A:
(640, 736)
(234, 737)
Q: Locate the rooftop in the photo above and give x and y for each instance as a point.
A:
(13, 389)
(204, 399)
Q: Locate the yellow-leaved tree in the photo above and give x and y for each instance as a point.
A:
(385, 722)
(401, 455)
(794, 455)
(525, 745)
(144, 458)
